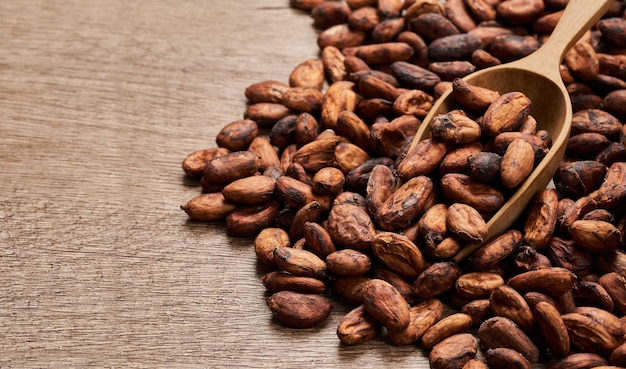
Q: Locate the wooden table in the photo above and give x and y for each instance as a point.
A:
(100, 100)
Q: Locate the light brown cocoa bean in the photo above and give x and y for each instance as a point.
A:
(478, 285)
(421, 317)
(310, 212)
(364, 18)
(478, 309)
(357, 178)
(506, 358)
(588, 335)
(297, 172)
(303, 99)
(398, 253)
(533, 298)
(608, 320)
(456, 160)
(618, 356)
(328, 14)
(446, 327)
(248, 221)
(333, 64)
(251, 190)
(406, 204)
(380, 186)
(317, 154)
(237, 135)
(328, 181)
(347, 263)
(552, 328)
(597, 121)
(553, 281)
(381, 54)
(466, 223)
(437, 279)
(280, 281)
(372, 84)
(388, 138)
(499, 332)
(506, 113)
(502, 141)
(300, 262)
(586, 145)
(615, 285)
(208, 207)
(595, 236)
(507, 302)
(383, 302)
(268, 91)
(449, 247)
(475, 364)
(579, 360)
(612, 192)
(297, 193)
(432, 226)
(351, 126)
(422, 158)
(496, 250)
(576, 211)
(566, 254)
(455, 129)
(413, 76)
(299, 310)
(473, 97)
(396, 280)
(457, 13)
(387, 30)
(481, 10)
(349, 156)
(351, 226)
(413, 102)
(318, 239)
(267, 241)
(338, 97)
(432, 26)
(193, 164)
(265, 152)
(421, 7)
(309, 74)
(340, 36)
(520, 12)
(517, 163)
(483, 197)
(591, 293)
(227, 168)
(541, 220)
(454, 351)
(357, 327)
(266, 114)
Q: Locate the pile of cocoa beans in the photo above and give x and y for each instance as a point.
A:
(317, 173)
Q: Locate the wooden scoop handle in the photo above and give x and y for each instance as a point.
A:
(579, 16)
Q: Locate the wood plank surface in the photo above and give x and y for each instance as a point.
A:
(99, 103)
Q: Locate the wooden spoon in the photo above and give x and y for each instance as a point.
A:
(536, 75)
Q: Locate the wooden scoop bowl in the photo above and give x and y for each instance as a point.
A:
(537, 76)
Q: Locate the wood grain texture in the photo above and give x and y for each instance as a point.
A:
(99, 103)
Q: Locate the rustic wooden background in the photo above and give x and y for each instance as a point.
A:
(100, 100)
